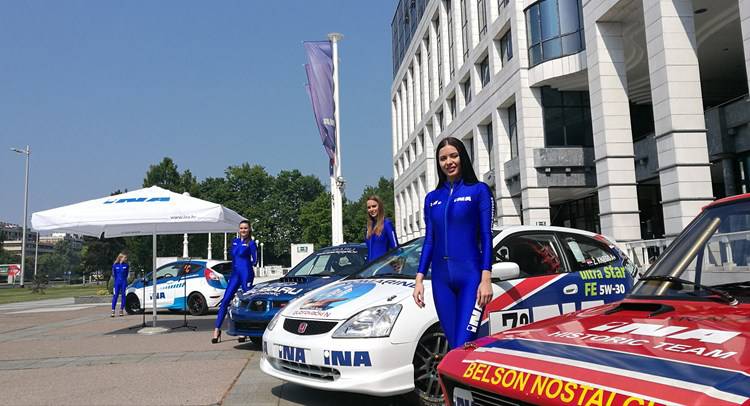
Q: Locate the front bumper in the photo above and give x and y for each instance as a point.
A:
(249, 324)
(372, 366)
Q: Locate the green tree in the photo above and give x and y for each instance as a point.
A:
(315, 218)
(65, 260)
(99, 254)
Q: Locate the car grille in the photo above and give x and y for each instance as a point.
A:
(309, 371)
(250, 325)
(314, 327)
(480, 397)
(277, 304)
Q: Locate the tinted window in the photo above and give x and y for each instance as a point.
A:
(190, 269)
(535, 254)
(403, 261)
(224, 268)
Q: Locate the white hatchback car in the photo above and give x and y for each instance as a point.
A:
(195, 285)
(365, 334)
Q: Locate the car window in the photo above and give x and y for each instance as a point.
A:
(224, 268)
(190, 269)
(166, 271)
(535, 254)
(337, 261)
(400, 262)
(588, 253)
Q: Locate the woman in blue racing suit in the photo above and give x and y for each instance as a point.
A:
(120, 270)
(244, 256)
(380, 237)
(458, 244)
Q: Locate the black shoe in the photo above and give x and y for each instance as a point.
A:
(113, 314)
(216, 339)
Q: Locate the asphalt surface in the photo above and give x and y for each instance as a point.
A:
(56, 352)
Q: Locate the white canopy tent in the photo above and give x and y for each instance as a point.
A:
(150, 211)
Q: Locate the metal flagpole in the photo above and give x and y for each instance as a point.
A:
(337, 181)
(153, 277)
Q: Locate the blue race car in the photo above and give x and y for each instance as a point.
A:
(251, 311)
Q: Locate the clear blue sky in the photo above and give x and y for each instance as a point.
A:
(103, 89)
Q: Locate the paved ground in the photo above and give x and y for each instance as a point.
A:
(55, 352)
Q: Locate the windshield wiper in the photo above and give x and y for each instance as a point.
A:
(392, 275)
(731, 300)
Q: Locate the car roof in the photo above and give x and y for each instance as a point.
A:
(727, 200)
(345, 245)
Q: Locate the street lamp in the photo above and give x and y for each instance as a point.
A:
(26, 152)
(261, 255)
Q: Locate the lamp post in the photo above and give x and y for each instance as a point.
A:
(26, 152)
(261, 255)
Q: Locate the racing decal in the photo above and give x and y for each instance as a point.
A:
(390, 282)
(544, 388)
(347, 358)
(276, 289)
(628, 367)
(289, 353)
(673, 332)
(159, 295)
(476, 317)
(336, 295)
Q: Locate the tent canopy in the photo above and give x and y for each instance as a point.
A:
(146, 211)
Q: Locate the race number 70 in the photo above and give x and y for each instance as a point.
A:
(501, 321)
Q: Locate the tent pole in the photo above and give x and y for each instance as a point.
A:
(153, 276)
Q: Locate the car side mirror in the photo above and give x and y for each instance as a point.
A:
(505, 270)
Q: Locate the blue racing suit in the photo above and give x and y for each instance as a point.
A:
(120, 276)
(377, 245)
(244, 256)
(458, 243)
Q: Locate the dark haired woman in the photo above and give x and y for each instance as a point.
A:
(244, 256)
(380, 237)
(458, 242)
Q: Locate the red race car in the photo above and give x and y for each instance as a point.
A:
(682, 336)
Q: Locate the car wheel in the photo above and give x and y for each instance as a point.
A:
(132, 304)
(431, 349)
(197, 304)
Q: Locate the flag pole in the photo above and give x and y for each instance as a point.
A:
(337, 181)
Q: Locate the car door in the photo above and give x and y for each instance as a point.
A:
(601, 273)
(189, 279)
(542, 289)
(166, 278)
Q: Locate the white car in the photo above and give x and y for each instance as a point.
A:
(365, 334)
(193, 285)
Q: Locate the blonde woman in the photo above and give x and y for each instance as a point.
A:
(120, 270)
(380, 237)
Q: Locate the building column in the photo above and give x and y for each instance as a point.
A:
(613, 139)
(507, 213)
(530, 123)
(425, 69)
(409, 104)
(745, 26)
(394, 129)
(679, 124)
(417, 100)
(433, 62)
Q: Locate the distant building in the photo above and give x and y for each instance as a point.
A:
(12, 234)
(617, 116)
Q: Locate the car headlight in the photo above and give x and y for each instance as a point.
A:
(235, 302)
(373, 322)
(274, 320)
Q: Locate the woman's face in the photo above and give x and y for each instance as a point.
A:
(124, 258)
(450, 162)
(244, 230)
(372, 208)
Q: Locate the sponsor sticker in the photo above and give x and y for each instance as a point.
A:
(543, 389)
(336, 295)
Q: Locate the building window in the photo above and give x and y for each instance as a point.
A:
(484, 71)
(439, 56)
(567, 118)
(441, 124)
(501, 4)
(490, 142)
(465, 28)
(482, 17)
(506, 48)
(451, 57)
(466, 89)
(469, 144)
(554, 29)
(430, 73)
(452, 107)
(513, 131)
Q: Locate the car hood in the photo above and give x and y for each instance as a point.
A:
(660, 351)
(287, 288)
(343, 299)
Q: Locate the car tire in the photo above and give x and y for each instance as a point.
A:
(197, 305)
(431, 348)
(132, 304)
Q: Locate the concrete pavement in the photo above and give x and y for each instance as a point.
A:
(57, 353)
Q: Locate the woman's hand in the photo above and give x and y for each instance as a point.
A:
(418, 293)
(484, 291)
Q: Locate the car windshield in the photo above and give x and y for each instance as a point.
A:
(402, 262)
(333, 261)
(710, 257)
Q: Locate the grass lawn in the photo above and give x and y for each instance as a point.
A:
(12, 295)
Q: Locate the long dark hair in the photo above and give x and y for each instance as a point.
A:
(249, 229)
(467, 171)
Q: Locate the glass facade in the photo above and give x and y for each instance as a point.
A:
(554, 29)
(482, 17)
(466, 88)
(484, 72)
(451, 54)
(404, 24)
(567, 118)
(506, 47)
(465, 28)
(513, 131)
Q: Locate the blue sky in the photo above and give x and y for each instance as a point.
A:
(103, 89)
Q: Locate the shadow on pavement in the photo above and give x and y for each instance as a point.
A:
(315, 397)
